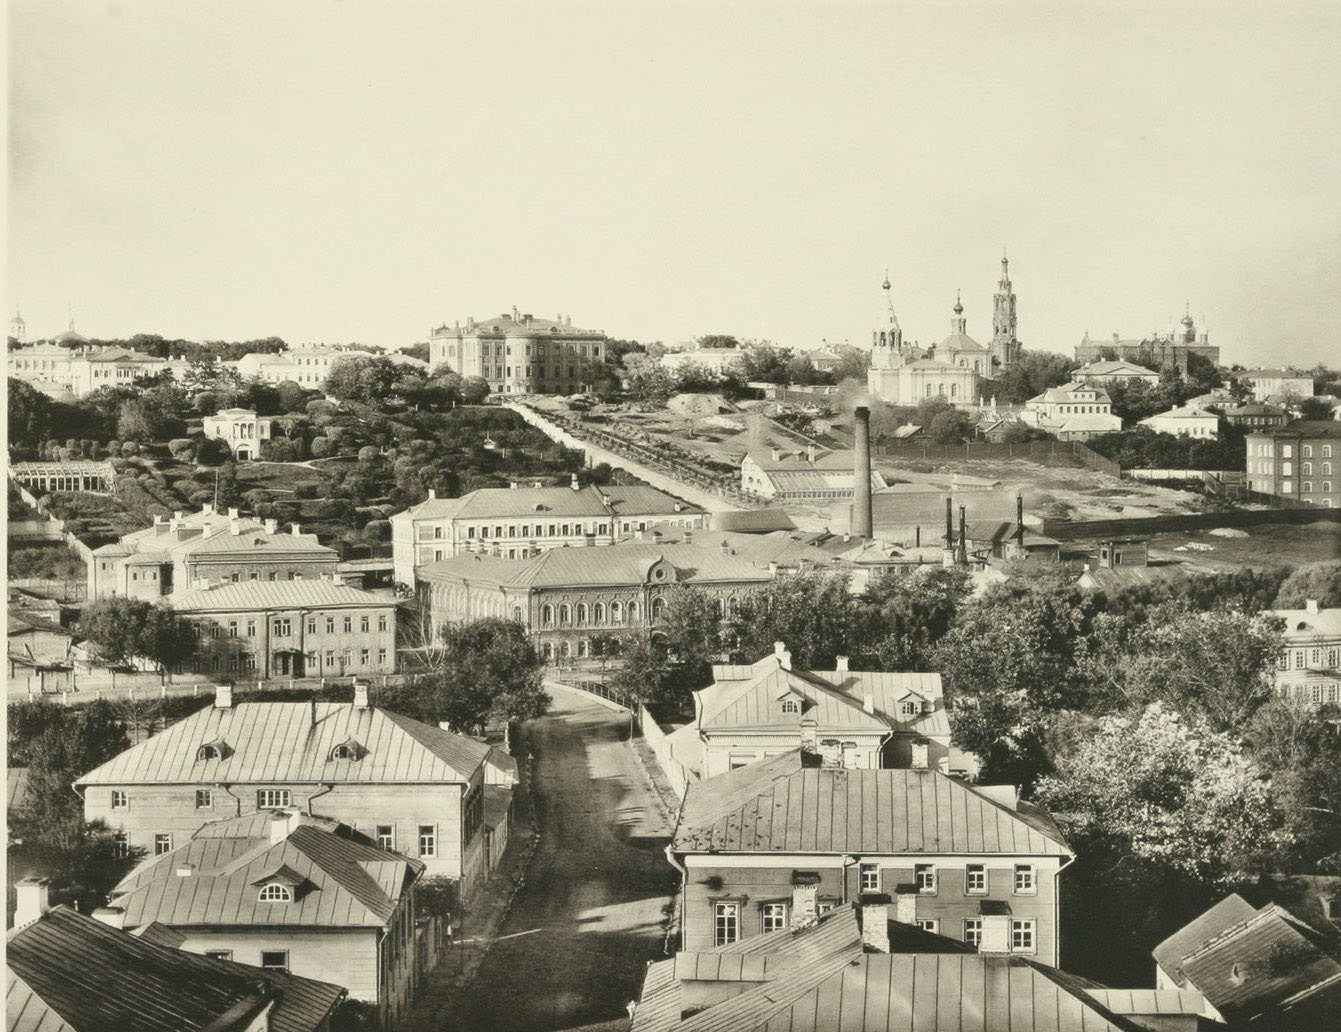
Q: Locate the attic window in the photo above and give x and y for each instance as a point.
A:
(910, 709)
(1329, 907)
(274, 892)
(216, 750)
(791, 706)
(1236, 974)
(348, 750)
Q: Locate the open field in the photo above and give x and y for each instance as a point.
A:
(1272, 544)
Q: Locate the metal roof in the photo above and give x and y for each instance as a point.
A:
(490, 502)
(248, 595)
(338, 883)
(70, 972)
(782, 805)
(279, 742)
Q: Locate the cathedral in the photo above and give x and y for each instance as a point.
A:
(956, 368)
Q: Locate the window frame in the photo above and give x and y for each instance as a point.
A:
(865, 869)
(162, 842)
(1026, 930)
(973, 931)
(773, 913)
(432, 838)
(1031, 886)
(272, 966)
(281, 893)
(120, 799)
(931, 886)
(284, 797)
(206, 794)
(725, 922)
(385, 840)
(969, 871)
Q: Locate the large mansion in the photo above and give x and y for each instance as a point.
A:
(519, 353)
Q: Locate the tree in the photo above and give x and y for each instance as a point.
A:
(952, 427)
(911, 613)
(647, 382)
(474, 389)
(718, 340)
(126, 628)
(1032, 374)
(811, 612)
(1314, 408)
(486, 669)
(1320, 582)
(644, 672)
(359, 378)
(1297, 743)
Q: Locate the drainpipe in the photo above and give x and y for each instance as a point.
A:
(1057, 913)
(325, 788)
(228, 791)
(684, 885)
(849, 859)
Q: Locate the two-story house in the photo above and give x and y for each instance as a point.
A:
(950, 854)
(862, 720)
(520, 522)
(1073, 412)
(1309, 665)
(241, 429)
(284, 892)
(408, 786)
(292, 628)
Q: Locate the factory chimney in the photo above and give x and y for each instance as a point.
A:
(862, 523)
(949, 525)
(1019, 522)
(963, 537)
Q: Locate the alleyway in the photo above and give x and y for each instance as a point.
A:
(589, 917)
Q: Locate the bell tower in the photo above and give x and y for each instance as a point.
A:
(887, 337)
(1005, 344)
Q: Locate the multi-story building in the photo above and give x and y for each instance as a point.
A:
(181, 552)
(241, 429)
(1256, 416)
(1073, 412)
(569, 599)
(1309, 665)
(1104, 373)
(859, 719)
(1158, 350)
(519, 353)
(519, 522)
(795, 476)
(1185, 421)
(1297, 462)
(283, 891)
(715, 361)
(53, 369)
(71, 973)
(296, 628)
(951, 853)
(307, 365)
(1276, 383)
(410, 787)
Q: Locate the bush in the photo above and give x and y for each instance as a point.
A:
(377, 531)
(212, 451)
(256, 497)
(322, 447)
(307, 491)
(182, 448)
(367, 454)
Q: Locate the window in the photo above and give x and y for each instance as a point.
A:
(275, 960)
(1306, 468)
(381, 657)
(975, 879)
(363, 656)
(791, 706)
(275, 893)
(330, 625)
(1024, 879)
(925, 875)
(929, 924)
(1022, 936)
(1306, 452)
(120, 799)
(349, 625)
(973, 931)
(204, 799)
(251, 628)
(870, 877)
(162, 844)
(774, 916)
(232, 628)
(311, 625)
(364, 624)
(386, 836)
(725, 923)
(121, 845)
(219, 954)
(381, 621)
(269, 798)
(910, 709)
(428, 840)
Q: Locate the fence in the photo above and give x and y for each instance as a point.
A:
(1046, 453)
(1144, 525)
(662, 748)
(46, 587)
(78, 547)
(143, 686)
(36, 530)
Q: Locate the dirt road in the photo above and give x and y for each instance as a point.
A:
(573, 949)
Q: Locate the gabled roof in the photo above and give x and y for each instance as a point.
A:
(341, 883)
(21, 622)
(1067, 393)
(1114, 368)
(840, 461)
(552, 502)
(1300, 624)
(70, 973)
(258, 595)
(291, 742)
(254, 538)
(1247, 966)
(1189, 411)
(783, 805)
(753, 521)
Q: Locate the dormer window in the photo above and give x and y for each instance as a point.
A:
(274, 892)
(791, 706)
(910, 708)
(349, 750)
(216, 750)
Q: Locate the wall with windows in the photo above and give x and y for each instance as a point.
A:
(945, 901)
(347, 957)
(308, 642)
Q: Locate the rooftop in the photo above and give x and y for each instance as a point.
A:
(257, 595)
(783, 804)
(489, 502)
(1305, 623)
(1115, 368)
(293, 742)
(70, 973)
(1070, 392)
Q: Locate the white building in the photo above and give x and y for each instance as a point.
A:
(1185, 421)
(519, 353)
(307, 365)
(242, 429)
(1072, 412)
(1115, 372)
(58, 371)
(1277, 383)
(1309, 665)
(715, 361)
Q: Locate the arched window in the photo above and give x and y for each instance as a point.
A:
(721, 608)
(581, 612)
(547, 615)
(564, 650)
(348, 750)
(954, 390)
(616, 613)
(565, 614)
(583, 648)
(208, 752)
(658, 608)
(598, 613)
(547, 650)
(633, 611)
(275, 893)
(517, 614)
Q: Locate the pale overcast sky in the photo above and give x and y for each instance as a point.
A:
(361, 171)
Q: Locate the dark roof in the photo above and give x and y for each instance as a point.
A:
(753, 521)
(1228, 912)
(67, 971)
(783, 804)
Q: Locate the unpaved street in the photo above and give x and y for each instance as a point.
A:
(573, 949)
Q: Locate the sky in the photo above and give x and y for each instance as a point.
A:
(359, 171)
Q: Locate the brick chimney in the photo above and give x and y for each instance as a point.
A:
(432, 494)
(272, 526)
(223, 696)
(232, 514)
(360, 695)
(33, 899)
(783, 656)
(875, 922)
(295, 529)
(809, 735)
(905, 905)
(1311, 606)
(805, 898)
(921, 759)
(862, 516)
(574, 484)
(235, 526)
(282, 825)
(840, 666)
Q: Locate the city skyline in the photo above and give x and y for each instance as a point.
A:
(334, 172)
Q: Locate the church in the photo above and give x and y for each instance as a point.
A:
(954, 369)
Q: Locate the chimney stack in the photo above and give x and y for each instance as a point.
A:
(963, 537)
(432, 494)
(281, 824)
(862, 518)
(840, 664)
(875, 922)
(1019, 522)
(32, 900)
(805, 898)
(809, 735)
(995, 934)
(574, 484)
(295, 529)
(272, 526)
(360, 695)
(235, 526)
(810, 454)
(949, 525)
(223, 696)
(905, 905)
(1311, 606)
(232, 514)
(784, 657)
(921, 758)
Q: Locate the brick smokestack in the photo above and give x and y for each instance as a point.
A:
(1019, 522)
(949, 525)
(862, 521)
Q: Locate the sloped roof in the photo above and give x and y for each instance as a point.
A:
(1105, 579)
(258, 595)
(628, 562)
(1189, 411)
(340, 883)
(545, 502)
(1254, 408)
(1301, 624)
(1114, 368)
(70, 972)
(1067, 393)
(753, 521)
(114, 354)
(291, 742)
(1230, 911)
(16, 793)
(506, 325)
(20, 622)
(960, 342)
(250, 539)
(782, 805)
(824, 460)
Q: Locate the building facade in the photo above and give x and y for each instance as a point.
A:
(297, 628)
(241, 429)
(282, 890)
(407, 786)
(799, 476)
(519, 353)
(519, 522)
(951, 853)
(1298, 462)
(1256, 416)
(1072, 412)
(903, 374)
(1185, 421)
(75, 477)
(570, 599)
(1276, 383)
(54, 369)
(1309, 665)
(307, 365)
(1104, 373)
(1158, 350)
